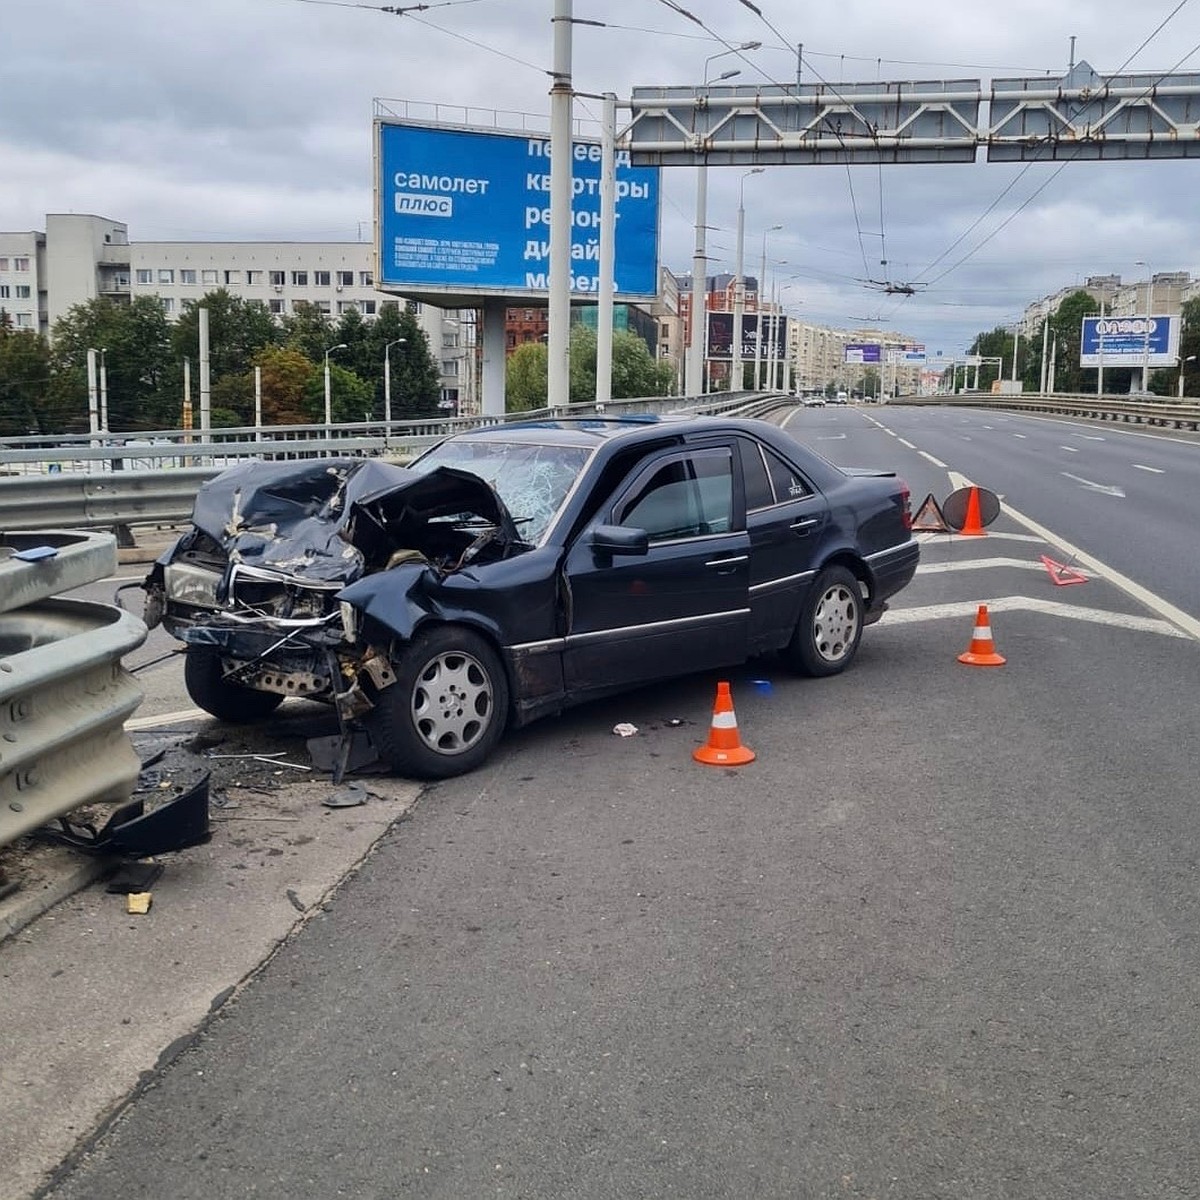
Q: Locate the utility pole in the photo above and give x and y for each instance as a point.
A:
(608, 232)
(1045, 346)
(694, 385)
(558, 372)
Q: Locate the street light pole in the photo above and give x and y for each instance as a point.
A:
(328, 393)
(1182, 368)
(694, 377)
(387, 378)
(758, 323)
(739, 284)
(1146, 331)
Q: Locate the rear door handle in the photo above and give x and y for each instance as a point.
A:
(805, 524)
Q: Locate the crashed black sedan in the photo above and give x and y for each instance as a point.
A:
(516, 570)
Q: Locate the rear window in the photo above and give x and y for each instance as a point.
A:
(531, 480)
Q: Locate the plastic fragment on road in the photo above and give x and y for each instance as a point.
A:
(138, 903)
(36, 553)
(624, 729)
(350, 796)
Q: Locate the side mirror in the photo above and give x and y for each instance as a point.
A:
(617, 539)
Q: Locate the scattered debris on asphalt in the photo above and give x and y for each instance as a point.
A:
(624, 729)
(350, 795)
(138, 903)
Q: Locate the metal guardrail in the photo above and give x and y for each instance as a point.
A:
(1165, 413)
(116, 499)
(64, 696)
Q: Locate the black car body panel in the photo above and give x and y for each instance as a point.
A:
(593, 555)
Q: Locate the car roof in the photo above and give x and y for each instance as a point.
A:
(593, 431)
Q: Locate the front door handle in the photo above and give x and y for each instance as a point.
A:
(726, 566)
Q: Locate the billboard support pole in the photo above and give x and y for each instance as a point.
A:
(694, 385)
(494, 354)
(558, 371)
(608, 237)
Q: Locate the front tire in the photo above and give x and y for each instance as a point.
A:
(447, 708)
(204, 677)
(830, 625)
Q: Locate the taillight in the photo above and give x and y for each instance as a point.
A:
(905, 505)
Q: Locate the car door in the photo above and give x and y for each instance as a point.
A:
(786, 518)
(678, 600)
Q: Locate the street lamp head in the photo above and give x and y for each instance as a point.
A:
(726, 75)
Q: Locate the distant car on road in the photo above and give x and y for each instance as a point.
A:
(813, 402)
(517, 570)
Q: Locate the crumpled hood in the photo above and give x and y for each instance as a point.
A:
(315, 519)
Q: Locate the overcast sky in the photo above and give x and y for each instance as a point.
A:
(251, 120)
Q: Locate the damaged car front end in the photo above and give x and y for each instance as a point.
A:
(254, 588)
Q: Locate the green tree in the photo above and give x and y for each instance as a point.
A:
(635, 371)
(1189, 347)
(416, 380)
(308, 330)
(237, 330)
(350, 397)
(136, 340)
(525, 377)
(24, 382)
(286, 378)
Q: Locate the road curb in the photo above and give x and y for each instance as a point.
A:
(23, 908)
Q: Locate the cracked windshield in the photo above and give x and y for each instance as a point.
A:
(532, 481)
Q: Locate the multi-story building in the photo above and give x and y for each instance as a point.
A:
(23, 279)
(81, 257)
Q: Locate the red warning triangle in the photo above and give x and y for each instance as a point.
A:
(1060, 574)
(929, 518)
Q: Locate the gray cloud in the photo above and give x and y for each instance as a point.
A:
(252, 119)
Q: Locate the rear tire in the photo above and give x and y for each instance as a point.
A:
(447, 708)
(227, 701)
(830, 626)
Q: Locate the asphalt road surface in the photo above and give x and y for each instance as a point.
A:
(939, 939)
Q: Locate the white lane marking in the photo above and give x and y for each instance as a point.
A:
(937, 462)
(123, 579)
(1158, 437)
(831, 437)
(1107, 489)
(978, 564)
(1052, 608)
(1152, 470)
(171, 718)
(906, 442)
(1089, 437)
(1081, 558)
(952, 538)
(989, 427)
(1022, 436)
(1072, 449)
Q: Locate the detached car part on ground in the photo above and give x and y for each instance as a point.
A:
(515, 571)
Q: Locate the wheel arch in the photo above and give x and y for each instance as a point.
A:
(857, 567)
(483, 629)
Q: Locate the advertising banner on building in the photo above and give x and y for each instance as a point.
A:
(862, 353)
(468, 210)
(720, 336)
(1129, 342)
(906, 355)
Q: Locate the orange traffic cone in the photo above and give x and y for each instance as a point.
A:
(724, 747)
(973, 525)
(982, 652)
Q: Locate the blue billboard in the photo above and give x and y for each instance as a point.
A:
(463, 210)
(862, 352)
(1129, 342)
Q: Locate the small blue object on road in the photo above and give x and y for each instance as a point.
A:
(36, 553)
